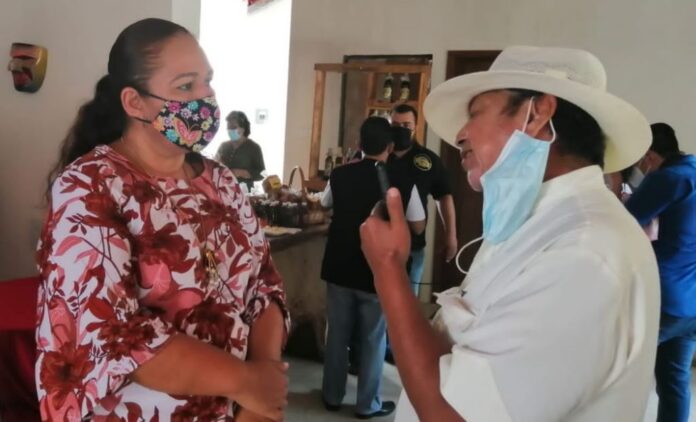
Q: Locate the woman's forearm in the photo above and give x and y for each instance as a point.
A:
(188, 366)
(267, 335)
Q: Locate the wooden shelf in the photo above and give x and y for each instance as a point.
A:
(372, 67)
(419, 90)
(386, 105)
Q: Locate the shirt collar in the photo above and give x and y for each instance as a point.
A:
(569, 184)
(560, 188)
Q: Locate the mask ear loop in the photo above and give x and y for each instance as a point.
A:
(149, 94)
(459, 254)
(529, 113)
(526, 122)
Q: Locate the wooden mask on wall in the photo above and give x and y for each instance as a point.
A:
(28, 66)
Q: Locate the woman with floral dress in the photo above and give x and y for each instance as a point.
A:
(159, 298)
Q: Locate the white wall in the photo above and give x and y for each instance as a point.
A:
(187, 13)
(647, 47)
(249, 53)
(78, 35)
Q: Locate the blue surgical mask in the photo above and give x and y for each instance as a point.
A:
(234, 134)
(511, 186)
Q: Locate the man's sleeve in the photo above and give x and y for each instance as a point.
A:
(658, 191)
(441, 183)
(414, 209)
(327, 197)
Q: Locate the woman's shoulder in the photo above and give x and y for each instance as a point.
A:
(224, 145)
(89, 177)
(253, 144)
(216, 170)
(96, 171)
(100, 161)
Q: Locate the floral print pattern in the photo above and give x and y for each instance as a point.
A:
(120, 259)
(191, 125)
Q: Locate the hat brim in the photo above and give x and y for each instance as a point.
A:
(627, 131)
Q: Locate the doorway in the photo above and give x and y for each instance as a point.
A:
(467, 203)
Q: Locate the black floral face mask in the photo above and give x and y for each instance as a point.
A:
(188, 124)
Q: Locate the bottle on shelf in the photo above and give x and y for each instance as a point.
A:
(386, 114)
(405, 91)
(349, 155)
(339, 157)
(375, 113)
(328, 163)
(388, 87)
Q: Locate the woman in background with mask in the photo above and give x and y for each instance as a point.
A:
(240, 154)
(159, 297)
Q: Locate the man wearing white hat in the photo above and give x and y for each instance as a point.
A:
(557, 318)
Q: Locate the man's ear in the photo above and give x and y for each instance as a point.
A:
(543, 109)
(133, 103)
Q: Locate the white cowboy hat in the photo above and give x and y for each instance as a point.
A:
(574, 75)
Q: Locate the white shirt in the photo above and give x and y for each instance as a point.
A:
(559, 322)
(414, 210)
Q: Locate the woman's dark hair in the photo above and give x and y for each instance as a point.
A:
(577, 133)
(132, 60)
(242, 121)
(375, 135)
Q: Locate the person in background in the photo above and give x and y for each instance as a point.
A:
(352, 305)
(241, 154)
(412, 164)
(621, 183)
(615, 183)
(668, 192)
(144, 310)
(557, 318)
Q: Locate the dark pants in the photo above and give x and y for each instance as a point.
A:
(677, 343)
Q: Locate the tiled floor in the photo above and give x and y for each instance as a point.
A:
(305, 400)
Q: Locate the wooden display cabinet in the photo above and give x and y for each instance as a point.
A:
(419, 75)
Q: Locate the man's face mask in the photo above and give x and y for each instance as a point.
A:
(234, 134)
(511, 186)
(187, 124)
(402, 138)
(28, 66)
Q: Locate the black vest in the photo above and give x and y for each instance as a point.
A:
(355, 190)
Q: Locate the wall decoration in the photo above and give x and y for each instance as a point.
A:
(28, 66)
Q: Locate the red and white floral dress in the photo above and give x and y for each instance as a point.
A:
(122, 269)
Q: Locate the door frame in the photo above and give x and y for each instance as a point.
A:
(468, 204)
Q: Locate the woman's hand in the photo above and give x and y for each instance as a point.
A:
(386, 244)
(264, 389)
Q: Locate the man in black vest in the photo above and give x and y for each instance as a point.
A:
(352, 305)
